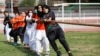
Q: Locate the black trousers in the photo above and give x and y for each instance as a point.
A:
(18, 32)
(57, 34)
(4, 30)
(21, 31)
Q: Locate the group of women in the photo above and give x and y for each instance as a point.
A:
(36, 30)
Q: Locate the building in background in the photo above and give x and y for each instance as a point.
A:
(73, 13)
(52, 2)
(15, 3)
(2, 5)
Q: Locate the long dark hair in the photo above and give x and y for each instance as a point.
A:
(40, 14)
(47, 7)
(27, 14)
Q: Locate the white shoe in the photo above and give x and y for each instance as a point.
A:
(47, 53)
(38, 54)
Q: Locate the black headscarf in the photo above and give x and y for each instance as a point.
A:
(47, 7)
(40, 14)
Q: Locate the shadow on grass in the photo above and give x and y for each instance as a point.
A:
(20, 48)
(3, 41)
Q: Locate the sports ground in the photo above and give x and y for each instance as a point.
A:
(81, 44)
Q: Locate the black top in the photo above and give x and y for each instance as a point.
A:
(50, 25)
(50, 14)
(7, 20)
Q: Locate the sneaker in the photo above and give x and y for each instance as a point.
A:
(47, 53)
(59, 53)
(26, 46)
(15, 44)
(70, 54)
(8, 41)
(38, 54)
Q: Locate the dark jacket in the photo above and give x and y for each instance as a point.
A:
(7, 20)
(51, 25)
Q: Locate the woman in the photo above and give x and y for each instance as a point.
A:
(30, 30)
(8, 25)
(54, 31)
(15, 27)
(18, 23)
(21, 26)
(41, 39)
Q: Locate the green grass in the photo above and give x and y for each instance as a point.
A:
(81, 44)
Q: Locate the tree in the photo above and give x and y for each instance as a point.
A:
(27, 3)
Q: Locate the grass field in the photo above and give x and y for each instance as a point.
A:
(81, 44)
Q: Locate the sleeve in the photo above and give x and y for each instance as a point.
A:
(4, 22)
(28, 19)
(52, 15)
(13, 20)
(10, 17)
(6, 19)
(21, 19)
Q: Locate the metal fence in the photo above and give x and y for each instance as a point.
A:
(85, 13)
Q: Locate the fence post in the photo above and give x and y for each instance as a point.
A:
(97, 16)
(63, 14)
(79, 10)
(84, 16)
(70, 16)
